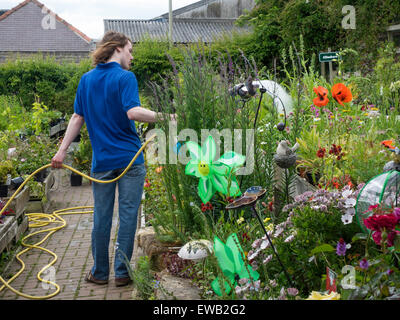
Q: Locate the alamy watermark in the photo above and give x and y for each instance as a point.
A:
(49, 20)
(349, 20)
(243, 143)
(49, 277)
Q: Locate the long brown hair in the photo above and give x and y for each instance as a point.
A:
(106, 47)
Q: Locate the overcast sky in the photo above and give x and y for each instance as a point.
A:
(88, 15)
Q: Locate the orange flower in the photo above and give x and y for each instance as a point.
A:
(341, 93)
(159, 169)
(388, 144)
(322, 97)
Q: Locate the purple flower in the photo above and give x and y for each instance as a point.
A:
(292, 291)
(341, 247)
(364, 264)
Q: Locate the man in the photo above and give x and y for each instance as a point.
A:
(107, 99)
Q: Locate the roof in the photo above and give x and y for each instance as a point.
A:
(184, 30)
(189, 7)
(22, 4)
(2, 11)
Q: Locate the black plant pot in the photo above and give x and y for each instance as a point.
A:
(3, 190)
(76, 180)
(78, 138)
(310, 179)
(41, 175)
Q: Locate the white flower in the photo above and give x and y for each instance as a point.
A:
(267, 259)
(256, 243)
(264, 244)
(253, 255)
(273, 283)
(350, 202)
(289, 239)
(347, 218)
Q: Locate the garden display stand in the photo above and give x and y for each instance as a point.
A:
(250, 198)
(16, 222)
(382, 189)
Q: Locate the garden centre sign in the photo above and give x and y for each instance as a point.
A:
(328, 56)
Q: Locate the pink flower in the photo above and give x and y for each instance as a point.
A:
(292, 291)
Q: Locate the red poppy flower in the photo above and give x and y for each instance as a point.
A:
(341, 93)
(388, 143)
(322, 97)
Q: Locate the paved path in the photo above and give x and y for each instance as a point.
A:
(72, 245)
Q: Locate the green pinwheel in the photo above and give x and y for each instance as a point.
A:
(230, 261)
(213, 175)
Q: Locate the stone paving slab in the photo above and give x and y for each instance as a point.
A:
(72, 245)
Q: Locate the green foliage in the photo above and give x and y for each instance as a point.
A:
(142, 278)
(151, 61)
(277, 24)
(82, 156)
(312, 229)
(53, 82)
(6, 168)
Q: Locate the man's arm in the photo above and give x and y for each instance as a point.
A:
(74, 127)
(144, 115)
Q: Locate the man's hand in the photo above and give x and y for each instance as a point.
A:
(58, 159)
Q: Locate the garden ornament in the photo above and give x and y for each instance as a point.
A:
(281, 99)
(196, 250)
(284, 149)
(230, 260)
(285, 156)
(213, 175)
(250, 198)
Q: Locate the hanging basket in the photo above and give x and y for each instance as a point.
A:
(382, 189)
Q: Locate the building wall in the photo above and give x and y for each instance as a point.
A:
(219, 9)
(30, 29)
(66, 56)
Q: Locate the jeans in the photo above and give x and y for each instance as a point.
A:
(130, 189)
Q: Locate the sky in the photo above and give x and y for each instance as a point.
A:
(88, 15)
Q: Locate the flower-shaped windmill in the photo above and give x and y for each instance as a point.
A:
(230, 261)
(213, 175)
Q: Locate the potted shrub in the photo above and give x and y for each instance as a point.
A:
(6, 170)
(35, 152)
(82, 157)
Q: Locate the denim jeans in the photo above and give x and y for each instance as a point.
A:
(130, 189)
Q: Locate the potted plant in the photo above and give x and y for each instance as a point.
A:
(6, 170)
(82, 157)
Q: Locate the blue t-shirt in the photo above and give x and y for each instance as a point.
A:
(104, 95)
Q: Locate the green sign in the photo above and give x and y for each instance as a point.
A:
(328, 56)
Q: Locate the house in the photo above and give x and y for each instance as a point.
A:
(31, 28)
(203, 21)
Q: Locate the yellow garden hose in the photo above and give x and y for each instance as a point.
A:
(43, 219)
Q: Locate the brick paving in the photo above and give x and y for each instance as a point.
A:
(72, 245)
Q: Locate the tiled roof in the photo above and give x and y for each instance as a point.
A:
(22, 4)
(2, 11)
(184, 30)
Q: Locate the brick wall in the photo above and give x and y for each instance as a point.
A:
(59, 56)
